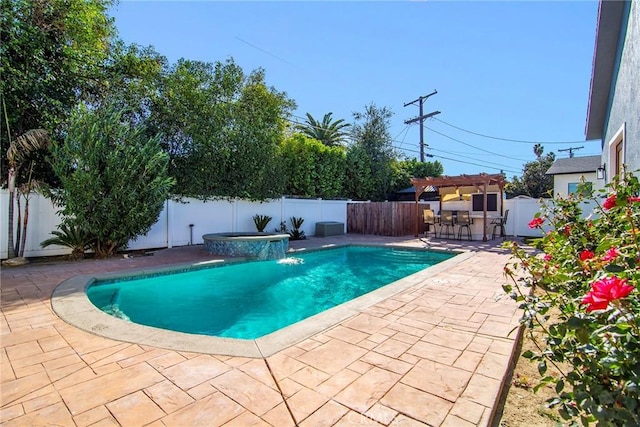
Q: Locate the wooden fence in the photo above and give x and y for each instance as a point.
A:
(383, 218)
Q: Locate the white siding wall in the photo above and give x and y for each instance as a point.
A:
(561, 182)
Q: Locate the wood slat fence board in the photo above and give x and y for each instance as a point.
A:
(383, 218)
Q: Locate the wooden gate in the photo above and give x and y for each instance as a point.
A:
(384, 218)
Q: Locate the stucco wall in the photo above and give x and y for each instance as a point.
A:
(625, 106)
(561, 182)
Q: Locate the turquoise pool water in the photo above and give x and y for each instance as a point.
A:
(252, 299)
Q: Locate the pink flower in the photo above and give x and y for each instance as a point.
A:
(609, 202)
(611, 254)
(633, 199)
(536, 222)
(604, 291)
(547, 257)
(585, 255)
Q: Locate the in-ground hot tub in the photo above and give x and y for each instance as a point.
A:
(255, 245)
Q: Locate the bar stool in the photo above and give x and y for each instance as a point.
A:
(447, 225)
(430, 221)
(499, 223)
(464, 221)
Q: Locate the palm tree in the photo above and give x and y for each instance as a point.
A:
(328, 132)
(17, 154)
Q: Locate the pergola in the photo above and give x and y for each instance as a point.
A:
(479, 183)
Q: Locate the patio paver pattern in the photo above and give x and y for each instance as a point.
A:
(435, 354)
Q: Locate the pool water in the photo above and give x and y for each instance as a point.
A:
(252, 299)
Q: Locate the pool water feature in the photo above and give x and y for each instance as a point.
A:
(252, 299)
(257, 245)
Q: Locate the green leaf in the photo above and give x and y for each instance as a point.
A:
(542, 367)
(528, 354)
(559, 386)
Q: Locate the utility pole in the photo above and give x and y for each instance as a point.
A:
(421, 119)
(571, 150)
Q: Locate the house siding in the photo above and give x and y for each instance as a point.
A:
(625, 100)
(561, 182)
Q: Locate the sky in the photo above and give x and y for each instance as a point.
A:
(508, 74)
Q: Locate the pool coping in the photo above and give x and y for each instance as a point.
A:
(70, 302)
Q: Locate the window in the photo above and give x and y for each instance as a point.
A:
(573, 188)
(478, 202)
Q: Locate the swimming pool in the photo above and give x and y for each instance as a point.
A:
(253, 299)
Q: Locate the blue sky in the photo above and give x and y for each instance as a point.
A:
(508, 69)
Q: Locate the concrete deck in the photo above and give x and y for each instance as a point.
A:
(435, 353)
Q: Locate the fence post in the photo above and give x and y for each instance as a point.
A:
(169, 224)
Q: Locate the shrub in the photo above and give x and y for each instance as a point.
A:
(114, 178)
(587, 277)
(261, 222)
(296, 233)
(73, 237)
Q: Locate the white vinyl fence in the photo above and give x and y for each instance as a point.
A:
(181, 223)
(184, 223)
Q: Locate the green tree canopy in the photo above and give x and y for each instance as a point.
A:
(222, 130)
(51, 56)
(403, 170)
(312, 169)
(534, 181)
(330, 132)
(373, 150)
(114, 178)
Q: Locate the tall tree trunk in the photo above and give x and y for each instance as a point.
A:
(24, 226)
(11, 184)
(16, 249)
(10, 249)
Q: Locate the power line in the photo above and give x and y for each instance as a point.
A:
(475, 164)
(472, 146)
(467, 157)
(508, 139)
(405, 130)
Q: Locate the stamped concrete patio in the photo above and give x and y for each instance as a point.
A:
(434, 354)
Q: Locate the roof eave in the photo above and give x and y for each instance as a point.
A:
(604, 57)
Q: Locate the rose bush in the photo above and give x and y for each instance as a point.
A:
(581, 289)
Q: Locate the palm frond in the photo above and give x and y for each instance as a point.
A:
(25, 144)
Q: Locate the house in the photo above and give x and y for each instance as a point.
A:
(613, 114)
(569, 172)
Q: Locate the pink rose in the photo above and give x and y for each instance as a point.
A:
(585, 255)
(609, 202)
(606, 290)
(611, 254)
(536, 222)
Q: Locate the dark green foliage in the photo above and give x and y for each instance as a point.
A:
(222, 130)
(372, 155)
(403, 170)
(534, 181)
(52, 55)
(261, 222)
(71, 236)
(114, 178)
(311, 168)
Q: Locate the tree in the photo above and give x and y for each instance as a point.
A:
(19, 153)
(311, 168)
(329, 132)
(222, 130)
(534, 181)
(403, 170)
(53, 52)
(371, 137)
(114, 178)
